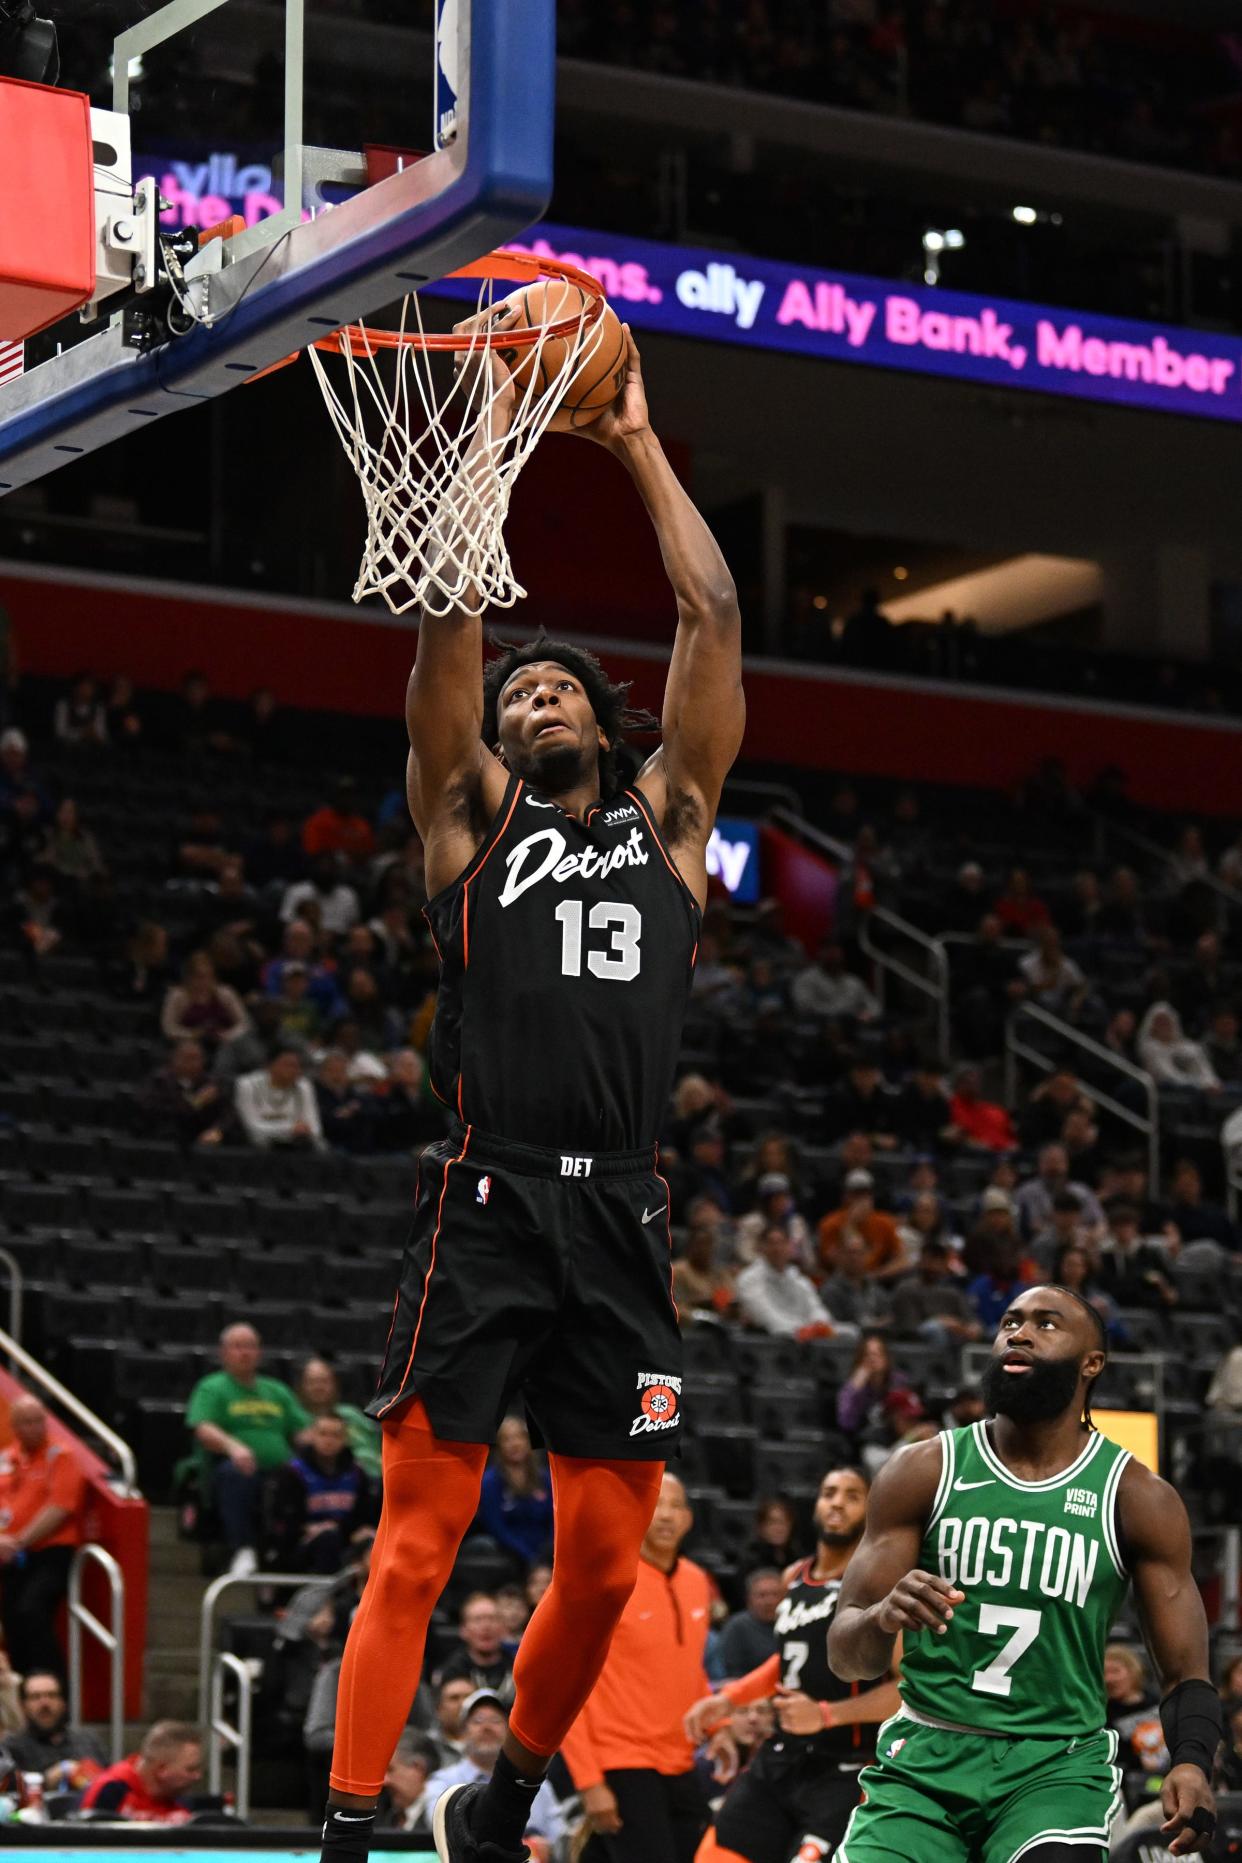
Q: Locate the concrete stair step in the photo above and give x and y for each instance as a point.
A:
(172, 1698)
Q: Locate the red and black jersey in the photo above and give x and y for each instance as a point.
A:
(802, 1623)
(566, 949)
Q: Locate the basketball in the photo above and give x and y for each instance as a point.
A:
(598, 379)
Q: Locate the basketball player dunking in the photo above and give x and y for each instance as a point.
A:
(796, 1796)
(566, 912)
(1001, 1553)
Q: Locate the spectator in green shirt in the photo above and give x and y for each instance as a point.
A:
(320, 1393)
(247, 1426)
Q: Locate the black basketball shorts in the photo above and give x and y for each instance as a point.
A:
(788, 1805)
(542, 1275)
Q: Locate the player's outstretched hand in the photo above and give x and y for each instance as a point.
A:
(1187, 1801)
(705, 1717)
(722, 1752)
(919, 1601)
(469, 363)
(627, 417)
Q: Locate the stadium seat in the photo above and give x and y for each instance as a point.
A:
(362, 1280)
(190, 1213)
(309, 1222)
(148, 1161)
(262, 1274)
(202, 1268)
(779, 1405)
(793, 1468)
(717, 1396)
(728, 1456)
(157, 1321)
(88, 1261)
(57, 1155)
(42, 1206)
(760, 1356)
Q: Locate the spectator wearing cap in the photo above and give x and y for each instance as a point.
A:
(627, 1752)
(404, 1806)
(859, 1216)
(1035, 1198)
(485, 1722)
(775, 1208)
(68, 1757)
(301, 1018)
(326, 890)
(852, 1293)
(701, 1283)
(776, 1297)
(1064, 1229)
(247, 1426)
(998, 1222)
(297, 946)
(183, 1102)
(931, 1304)
(42, 1490)
(827, 992)
(276, 1104)
(981, 1123)
(515, 1500)
(320, 1498)
(339, 828)
(150, 1786)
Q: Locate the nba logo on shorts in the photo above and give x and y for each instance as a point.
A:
(894, 1749)
(484, 1190)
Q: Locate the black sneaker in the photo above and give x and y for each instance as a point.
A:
(450, 1825)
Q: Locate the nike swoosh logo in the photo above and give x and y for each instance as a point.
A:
(531, 803)
(960, 1487)
(343, 1817)
(649, 1216)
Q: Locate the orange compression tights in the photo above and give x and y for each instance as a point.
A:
(431, 1491)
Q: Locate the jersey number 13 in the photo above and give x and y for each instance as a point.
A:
(620, 959)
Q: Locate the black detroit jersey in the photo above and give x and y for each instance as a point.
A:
(566, 951)
(802, 1622)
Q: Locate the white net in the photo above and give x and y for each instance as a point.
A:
(435, 457)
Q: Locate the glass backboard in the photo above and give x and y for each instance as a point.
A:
(356, 149)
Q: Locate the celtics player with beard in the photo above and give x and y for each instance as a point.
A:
(1000, 1554)
(796, 1795)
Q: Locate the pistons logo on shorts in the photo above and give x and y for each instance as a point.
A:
(659, 1403)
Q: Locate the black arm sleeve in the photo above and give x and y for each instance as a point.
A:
(1194, 1725)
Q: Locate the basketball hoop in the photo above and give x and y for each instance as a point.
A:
(436, 474)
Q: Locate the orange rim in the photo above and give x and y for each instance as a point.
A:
(363, 339)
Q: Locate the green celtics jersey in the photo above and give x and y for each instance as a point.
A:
(1040, 1565)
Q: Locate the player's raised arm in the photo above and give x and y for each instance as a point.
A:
(444, 695)
(883, 1592)
(1156, 1543)
(704, 709)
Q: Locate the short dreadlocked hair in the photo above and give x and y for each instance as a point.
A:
(610, 699)
(1102, 1332)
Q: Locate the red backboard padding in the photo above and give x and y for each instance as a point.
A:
(47, 206)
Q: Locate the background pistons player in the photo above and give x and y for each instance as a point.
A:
(566, 911)
(796, 1796)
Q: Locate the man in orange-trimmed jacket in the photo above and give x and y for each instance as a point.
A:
(627, 1752)
(42, 1489)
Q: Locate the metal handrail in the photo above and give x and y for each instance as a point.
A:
(936, 986)
(1104, 827)
(826, 843)
(1016, 1049)
(222, 1733)
(16, 1287)
(278, 1581)
(113, 1641)
(120, 1449)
